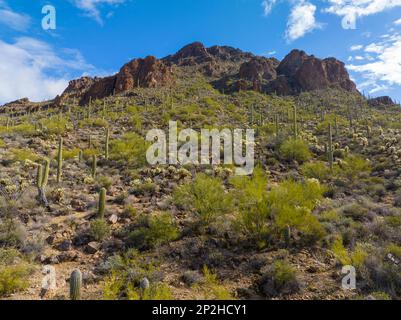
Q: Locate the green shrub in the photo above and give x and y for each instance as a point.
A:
(250, 197)
(125, 272)
(71, 154)
(295, 149)
(353, 166)
(394, 250)
(284, 275)
(205, 197)
(104, 182)
(24, 129)
(131, 148)
(356, 212)
(99, 229)
(158, 291)
(291, 204)
(318, 170)
(12, 232)
(2, 143)
(157, 229)
(21, 155)
(55, 125)
(211, 288)
(93, 122)
(89, 153)
(130, 211)
(14, 272)
(340, 252)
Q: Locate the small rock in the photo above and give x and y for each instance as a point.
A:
(67, 257)
(113, 219)
(93, 247)
(50, 239)
(65, 245)
(144, 283)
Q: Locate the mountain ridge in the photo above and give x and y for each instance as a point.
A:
(228, 69)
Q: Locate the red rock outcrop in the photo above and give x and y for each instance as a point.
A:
(305, 73)
(258, 69)
(148, 73)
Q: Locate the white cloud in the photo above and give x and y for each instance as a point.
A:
(360, 8)
(31, 68)
(383, 69)
(356, 47)
(12, 19)
(91, 7)
(398, 22)
(268, 6)
(375, 48)
(301, 20)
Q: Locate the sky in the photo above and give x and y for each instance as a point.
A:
(96, 37)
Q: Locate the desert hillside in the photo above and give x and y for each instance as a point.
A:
(77, 193)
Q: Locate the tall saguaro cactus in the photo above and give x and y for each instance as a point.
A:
(330, 148)
(102, 203)
(94, 165)
(75, 285)
(41, 182)
(106, 147)
(295, 124)
(59, 160)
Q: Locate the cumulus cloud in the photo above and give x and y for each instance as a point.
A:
(32, 68)
(12, 19)
(301, 20)
(382, 69)
(91, 7)
(356, 47)
(268, 6)
(354, 9)
(398, 22)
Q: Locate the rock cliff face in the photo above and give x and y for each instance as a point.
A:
(301, 72)
(381, 101)
(147, 73)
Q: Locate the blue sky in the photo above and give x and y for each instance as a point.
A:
(96, 37)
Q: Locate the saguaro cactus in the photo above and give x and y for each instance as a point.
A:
(59, 160)
(80, 155)
(94, 165)
(75, 285)
(102, 203)
(106, 147)
(41, 182)
(330, 148)
(276, 125)
(39, 176)
(295, 124)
